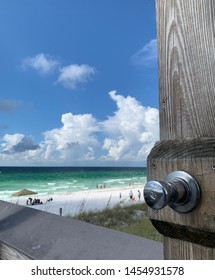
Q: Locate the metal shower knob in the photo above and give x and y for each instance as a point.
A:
(180, 191)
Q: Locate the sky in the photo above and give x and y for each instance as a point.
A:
(78, 82)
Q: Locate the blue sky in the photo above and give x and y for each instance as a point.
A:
(79, 83)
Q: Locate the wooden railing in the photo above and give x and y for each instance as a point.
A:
(27, 233)
(7, 252)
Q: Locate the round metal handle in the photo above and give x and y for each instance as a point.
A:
(180, 191)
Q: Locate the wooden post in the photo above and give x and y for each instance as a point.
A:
(186, 54)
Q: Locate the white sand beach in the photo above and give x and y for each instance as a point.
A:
(76, 202)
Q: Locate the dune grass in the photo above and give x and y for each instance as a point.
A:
(131, 219)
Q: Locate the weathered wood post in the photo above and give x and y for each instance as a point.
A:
(186, 54)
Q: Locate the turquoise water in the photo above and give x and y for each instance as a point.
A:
(56, 180)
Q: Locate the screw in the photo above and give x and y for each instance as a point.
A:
(213, 166)
(164, 103)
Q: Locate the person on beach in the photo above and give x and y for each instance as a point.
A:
(131, 195)
(139, 194)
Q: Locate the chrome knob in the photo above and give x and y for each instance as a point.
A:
(180, 191)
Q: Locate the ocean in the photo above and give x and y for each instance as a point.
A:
(59, 180)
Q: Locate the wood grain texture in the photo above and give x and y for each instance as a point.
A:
(196, 157)
(186, 58)
(186, 51)
(187, 148)
(7, 252)
(177, 249)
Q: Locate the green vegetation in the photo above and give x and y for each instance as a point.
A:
(131, 219)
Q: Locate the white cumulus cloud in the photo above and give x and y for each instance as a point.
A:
(75, 140)
(44, 64)
(132, 130)
(126, 136)
(16, 143)
(69, 76)
(74, 74)
(147, 55)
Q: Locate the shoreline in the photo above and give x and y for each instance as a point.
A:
(74, 203)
